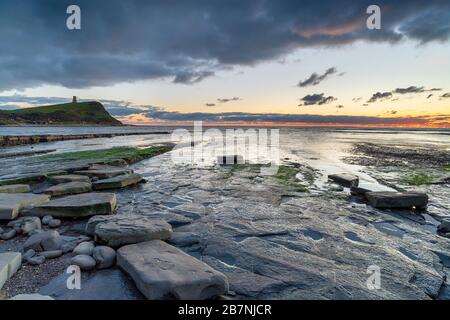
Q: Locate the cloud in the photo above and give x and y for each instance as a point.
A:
(411, 89)
(380, 96)
(445, 95)
(429, 96)
(158, 114)
(192, 77)
(314, 79)
(414, 89)
(339, 106)
(226, 100)
(316, 99)
(188, 41)
(210, 104)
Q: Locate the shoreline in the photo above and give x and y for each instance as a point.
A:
(10, 141)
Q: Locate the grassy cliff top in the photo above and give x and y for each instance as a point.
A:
(81, 113)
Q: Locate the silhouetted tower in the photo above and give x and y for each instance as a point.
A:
(74, 99)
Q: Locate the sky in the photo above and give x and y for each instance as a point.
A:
(254, 62)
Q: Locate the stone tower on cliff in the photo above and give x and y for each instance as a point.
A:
(74, 99)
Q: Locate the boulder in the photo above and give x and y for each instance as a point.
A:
(68, 178)
(11, 204)
(46, 219)
(51, 254)
(345, 180)
(104, 171)
(10, 262)
(8, 234)
(54, 223)
(117, 182)
(78, 206)
(28, 224)
(161, 271)
(44, 241)
(104, 256)
(85, 248)
(15, 188)
(397, 200)
(69, 188)
(85, 262)
(131, 229)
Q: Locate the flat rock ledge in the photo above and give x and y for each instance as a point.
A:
(15, 188)
(345, 180)
(69, 188)
(117, 182)
(397, 200)
(68, 178)
(103, 171)
(117, 231)
(11, 204)
(77, 206)
(161, 271)
(10, 262)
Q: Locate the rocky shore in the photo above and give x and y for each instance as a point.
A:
(7, 141)
(159, 230)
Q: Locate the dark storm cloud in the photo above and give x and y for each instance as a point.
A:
(314, 79)
(380, 96)
(161, 115)
(188, 41)
(316, 99)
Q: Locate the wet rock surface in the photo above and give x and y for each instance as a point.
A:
(272, 242)
(15, 188)
(117, 182)
(69, 188)
(131, 229)
(161, 271)
(78, 206)
(11, 204)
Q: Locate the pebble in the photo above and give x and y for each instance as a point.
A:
(8, 235)
(36, 260)
(104, 256)
(68, 247)
(51, 254)
(46, 219)
(84, 262)
(30, 253)
(84, 248)
(54, 223)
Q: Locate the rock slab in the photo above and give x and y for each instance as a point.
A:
(345, 180)
(397, 200)
(161, 271)
(117, 232)
(117, 182)
(10, 262)
(11, 204)
(68, 178)
(15, 188)
(77, 206)
(69, 188)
